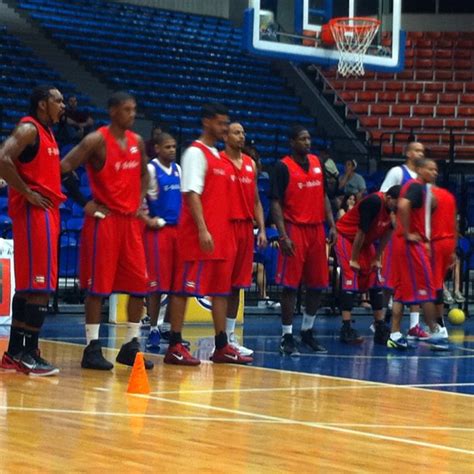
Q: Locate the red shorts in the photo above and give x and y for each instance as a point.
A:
(309, 265)
(113, 256)
(161, 256)
(35, 237)
(441, 259)
(366, 277)
(412, 275)
(203, 278)
(242, 260)
(387, 266)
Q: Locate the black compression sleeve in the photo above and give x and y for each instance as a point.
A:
(71, 184)
(415, 195)
(369, 209)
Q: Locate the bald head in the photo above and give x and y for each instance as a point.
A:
(235, 138)
(414, 151)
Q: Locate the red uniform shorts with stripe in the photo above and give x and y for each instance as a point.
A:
(161, 257)
(412, 275)
(113, 256)
(203, 278)
(35, 237)
(362, 280)
(387, 266)
(442, 251)
(309, 265)
(242, 259)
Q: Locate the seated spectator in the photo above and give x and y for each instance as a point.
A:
(156, 131)
(331, 173)
(351, 182)
(348, 202)
(75, 123)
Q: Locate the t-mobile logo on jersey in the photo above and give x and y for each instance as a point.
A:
(219, 171)
(53, 151)
(126, 165)
(133, 149)
(309, 184)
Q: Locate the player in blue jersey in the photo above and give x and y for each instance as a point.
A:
(160, 236)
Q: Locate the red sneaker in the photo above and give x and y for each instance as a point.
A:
(179, 355)
(228, 355)
(11, 363)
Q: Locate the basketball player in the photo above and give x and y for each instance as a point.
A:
(161, 235)
(246, 207)
(398, 176)
(368, 222)
(443, 244)
(206, 242)
(412, 274)
(29, 163)
(300, 207)
(112, 252)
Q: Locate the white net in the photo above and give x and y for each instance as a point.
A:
(353, 36)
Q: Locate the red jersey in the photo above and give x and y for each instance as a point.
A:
(417, 214)
(216, 211)
(118, 184)
(443, 219)
(304, 197)
(243, 182)
(350, 222)
(43, 173)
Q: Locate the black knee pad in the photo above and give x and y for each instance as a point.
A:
(35, 315)
(18, 309)
(439, 297)
(376, 298)
(346, 302)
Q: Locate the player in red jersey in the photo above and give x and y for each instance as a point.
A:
(29, 163)
(300, 207)
(206, 241)
(367, 223)
(443, 244)
(246, 207)
(412, 274)
(112, 251)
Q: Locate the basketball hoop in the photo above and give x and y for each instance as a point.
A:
(353, 37)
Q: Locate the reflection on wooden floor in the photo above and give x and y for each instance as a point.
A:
(226, 419)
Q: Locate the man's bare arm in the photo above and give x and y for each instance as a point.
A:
(195, 207)
(86, 150)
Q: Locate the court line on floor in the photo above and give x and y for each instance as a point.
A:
(312, 425)
(140, 415)
(306, 374)
(404, 427)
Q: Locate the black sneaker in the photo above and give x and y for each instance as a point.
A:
(128, 352)
(382, 333)
(165, 339)
(33, 364)
(307, 337)
(92, 357)
(349, 335)
(288, 346)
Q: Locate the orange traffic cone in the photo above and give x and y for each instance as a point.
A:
(138, 381)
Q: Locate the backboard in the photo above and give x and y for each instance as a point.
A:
(290, 29)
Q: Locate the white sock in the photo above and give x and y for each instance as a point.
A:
(308, 322)
(287, 329)
(395, 336)
(133, 330)
(165, 327)
(154, 328)
(414, 319)
(229, 325)
(92, 332)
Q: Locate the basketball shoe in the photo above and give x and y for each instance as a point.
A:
(349, 335)
(381, 332)
(416, 332)
(92, 358)
(401, 343)
(33, 364)
(228, 355)
(307, 337)
(165, 338)
(153, 339)
(10, 362)
(242, 350)
(128, 353)
(179, 355)
(288, 346)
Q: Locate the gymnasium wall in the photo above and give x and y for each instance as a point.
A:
(440, 22)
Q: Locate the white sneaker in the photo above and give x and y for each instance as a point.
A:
(242, 350)
(438, 334)
(447, 297)
(269, 304)
(459, 297)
